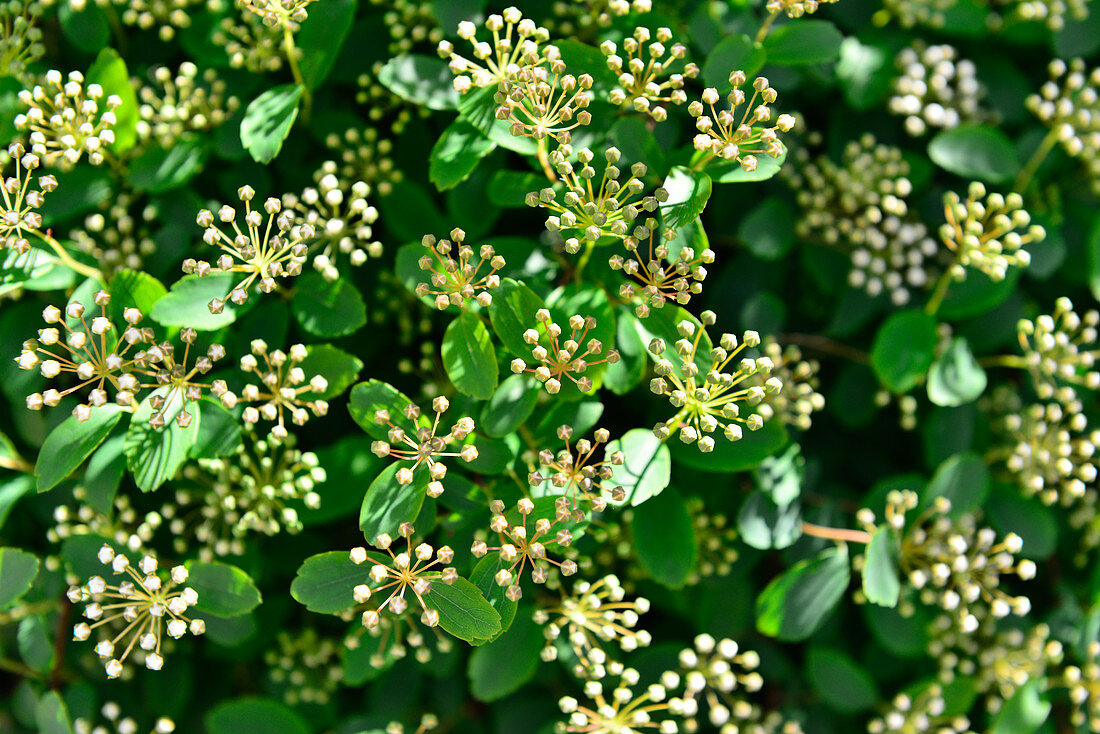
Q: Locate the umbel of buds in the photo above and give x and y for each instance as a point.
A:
(517, 46)
(521, 547)
(569, 358)
(575, 474)
(1060, 350)
(541, 100)
(710, 400)
(661, 277)
(725, 135)
(145, 607)
(19, 215)
(456, 281)
(392, 575)
(66, 119)
(424, 445)
(646, 79)
(982, 232)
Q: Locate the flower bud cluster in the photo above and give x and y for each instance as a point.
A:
(126, 362)
(982, 232)
(621, 707)
(936, 89)
(141, 609)
(424, 445)
(577, 17)
(798, 399)
(263, 253)
(67, 119)
(648, 76)
(279, 13)
(392, 575)
(181, 103)
(673, 271)
(920, 713)
(795, 8)
(167, 16)
(394, 636)
(257, 489)
(586, 213)
(1060, 351)
(409, 22)
(715, 536)
(19, 215)
(521, 547)
(250, 43)
(1069, 104)
(365, 156)
(282, 391)
(724, 135)
(594, 616)
(334, 218)
(305, 667)
(711, 400)
(542, 100)
(952, 563)
(717, 677)
(1083, 682)
(119, 234)
(1053, 13)
(21, 42)
(860, 208)
(570, 358)
(575, 474)
(456, 281)
(516, 43)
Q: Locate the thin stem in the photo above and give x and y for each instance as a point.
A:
(292, 59)
(939, 293)
(826, 345)
(1014, 361)
(544, 161)
(14, 666)
(60, 641)
(838, 534)
(589, 247)
(15, 462)
(66, 259)
(1033, 163)
(763, 32)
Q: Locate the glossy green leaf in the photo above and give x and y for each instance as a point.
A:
(1025, 711)
(224, 590)
(843, 684)
(422, 80)
(52, 715)
(646, 469)
(750, 451)
(388, 503)
(463, 611)
(956, 378)
(17, 572)
(328, 308)
(510, 405)
(764, 524)
(975, 152)
(505, 665)
(688, 194)
(268, 119)
(338, 367)
(795, 604)
(109, 71)
(469, 357)
(903, 349)
(373, 395)
(664, 538)
(512, 312)
(736, 51)
(484, 578)
(133, 289)
(881, 584)
(324, 582)
(158, 170)
(321, 37)
(804, 41)
(68, 445)
(187, 303)
(456, 154)
(963, 479)
(255, 716)
(155, 455)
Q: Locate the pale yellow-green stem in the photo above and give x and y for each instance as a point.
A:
(1028, 171)
(837, 534)
(65, 258)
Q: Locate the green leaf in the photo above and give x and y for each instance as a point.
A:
(647, 467)
(422, 80)
(880, 570)
(780, 477)
(324, 582)
(328, 308)
(387, 504)
(187, 303)
(768, 229)
(794, 605)
(1025, 711)
(34, 643)
(17, 571)
(268, 119)
(510, 405)
(469, 357)
(80, 555)
(68, 445)
(512, 312)
(484, 578)
(11, 492)
(664, 538)
(154, 456)
(903, 349)
(133, 289)
(865, 73)
(109, 71)
(51, 714)
(321, 37)
(753, 448)
(456, 154)
(374, 395)
(509, 189)
(158, 170)
(963, 479)
(736, 51)
(87, 29)
(508, 663)
(1036, 524)
(803, 42)
(764, 524)
(956, 378)
(463, 611)
(976, 152)
(733, 172)
(224, 590)
(688, 193)
(842, 683)
(219, 432)
(338, 367)
(255, 716)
